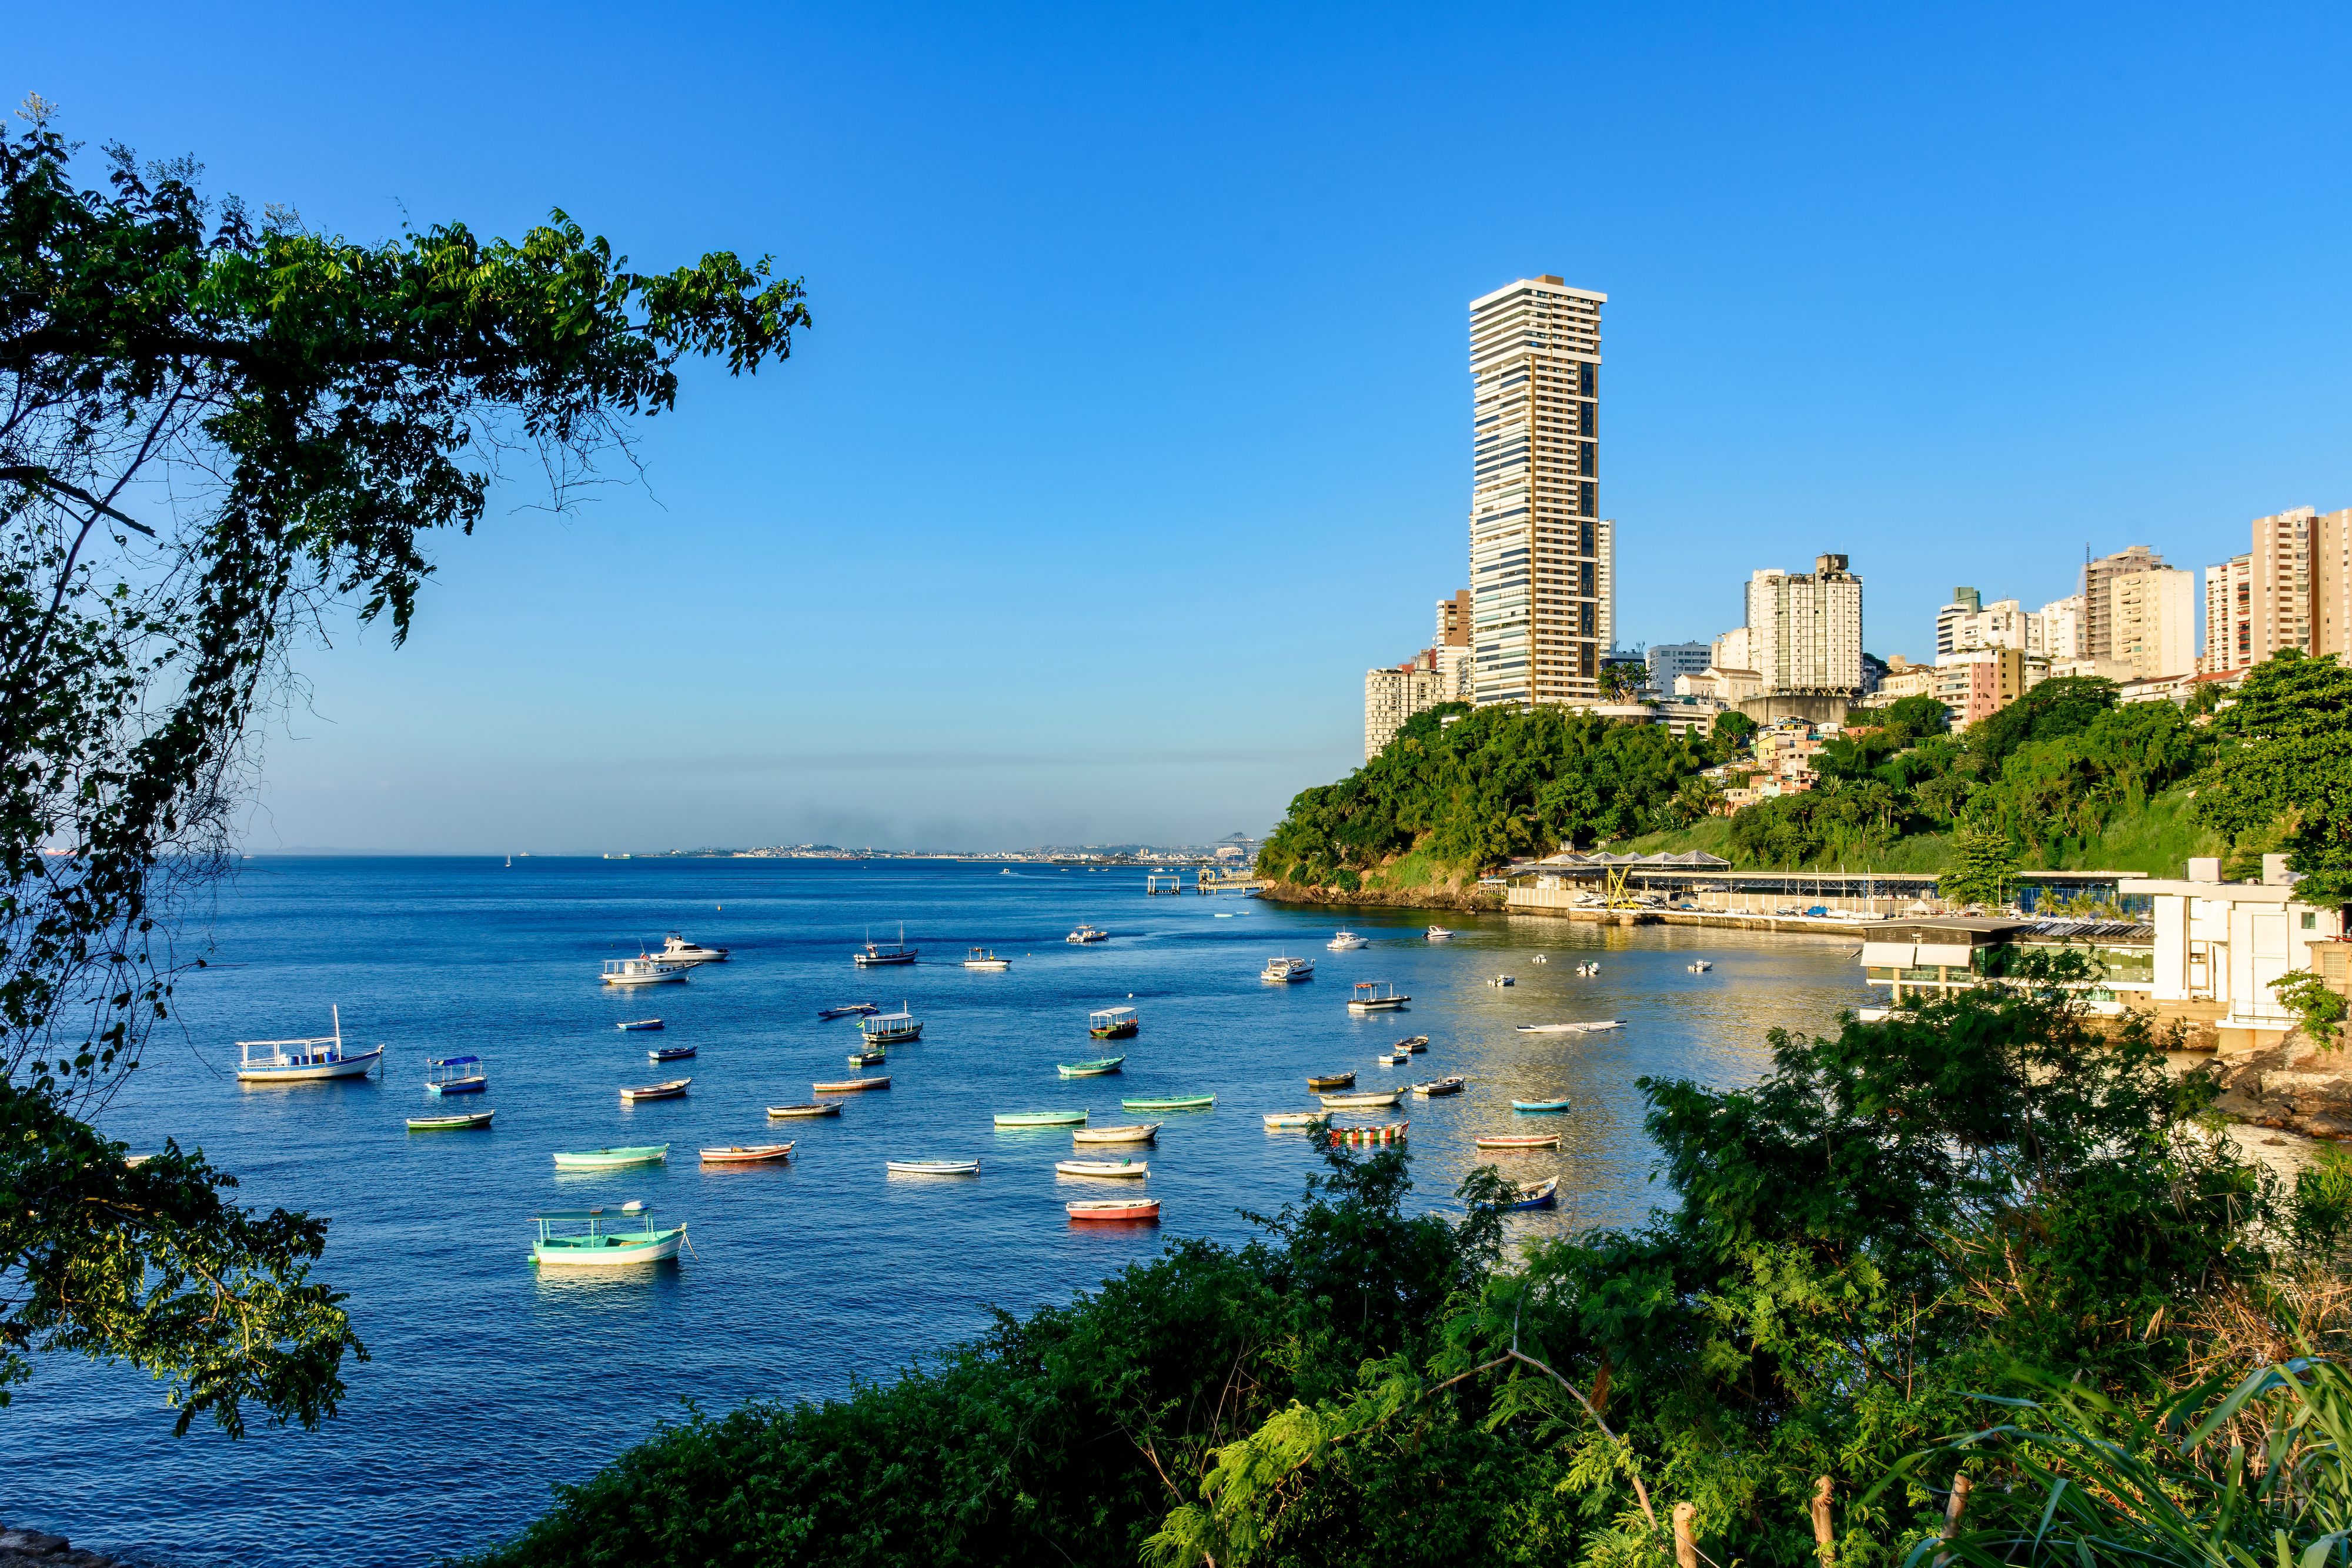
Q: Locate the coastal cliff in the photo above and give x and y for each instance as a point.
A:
(2295, 1086)
(1432, 896)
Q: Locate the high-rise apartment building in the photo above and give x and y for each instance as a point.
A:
(2151, 621)
(2098, 628)
(1804, 629)
(2331, 584)
(1968, 623)
(1668, 660)
(2229, 615)
(1540, 549)
(1453, 621)
(1966, 603)
(2280, 590)
(1394, 695)
(2062, 627)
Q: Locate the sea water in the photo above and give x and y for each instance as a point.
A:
(489, 1380)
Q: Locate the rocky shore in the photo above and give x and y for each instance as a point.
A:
(2295, 1086)
(32, 1549)
(1473, 898)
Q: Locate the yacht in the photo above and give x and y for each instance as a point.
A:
(1346, 942)
(1285, 970)
(645, 969)
(1437, 934)
(982, 958)
(1085, 933)
(875, 954)
(677, 949)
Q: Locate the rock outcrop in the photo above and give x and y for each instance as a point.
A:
(32, 1549)
(2294, 1085)
(1437, 896)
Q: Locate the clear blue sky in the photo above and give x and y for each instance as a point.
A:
(1134, 425)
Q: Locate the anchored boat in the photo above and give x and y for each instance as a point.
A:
(1414, 1043)
(645, 969)
(1593, 1027)
(1144, 1209)
(932, 1167)
(1437, 934)
(874, 956)
(982, 958)
(812, 1108)
(1108, 1168)
(673, 1090)
(1346, 942)
(1545, 1194)
(1392, 1133)
(1087, 933)
(1373, 1100)
(1287, 1121)
(670, 1053)
(1114, 1023)
(851, 1085)
(874, 1058)
(1377, 997)
(1041, 1118)
(1094, 1069)
(1322, 1080)
(1284, 971)
(608, 1159)
(1452, 1085)
(854, 1011)
(606, 1238)
(639, 1026)
(746, 1154)
(304, 1060)
(1136, 1133)
(455, 1120)
(1171, 1103)
(891, 1029)
(1537, 1107)
(677, 949)
(1522, 1141)
(456, 1075)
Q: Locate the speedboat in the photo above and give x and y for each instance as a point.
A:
(1085, 933)
(1700, 966)
(645, 969)
(1285, 970)
(1503, 980)
(1437, 934)
(677, 949)
(304, 1060)
(1346, 942)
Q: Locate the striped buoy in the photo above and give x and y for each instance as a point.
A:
(1393, 1133)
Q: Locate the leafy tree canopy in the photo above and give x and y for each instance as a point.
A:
(2285, 766)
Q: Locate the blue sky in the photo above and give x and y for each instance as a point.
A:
(1135, 422)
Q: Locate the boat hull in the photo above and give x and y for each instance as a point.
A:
(1089, 1069)
(1142, 1133)
(639, 1026)
(1379, 1004)
(757, 1154)
(611, 1159)
(460, 1122)
(1116, 1170)
(609, 1251)
(1329, 1080)
(1171, 1102)
(1544, 1194)
(880, 960)
(1114, 1032)
(1379, 1102)
(1144, 1210)
(1547, 1140)
(314, 1072)
(1284, 1120)
(1042, 1119)
(1539, 1107)
(932, 1167)
(459, 1086)
(850, 1085)
(831, 1108)
(656, 1091)
(893, 1036)
(667, 976)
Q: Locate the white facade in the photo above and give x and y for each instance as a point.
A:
(1394, 695)
(1730, 651)
(2061, 628)
(2225, 942)
(2229, 615)
(2152, 622)
(1540, 577)
(1668, 660)
(1804, 629)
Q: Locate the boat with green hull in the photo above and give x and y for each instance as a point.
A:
(605, 1239)
(1041, 1118)
(1094, 1069)
(454, 1122)
(1171, 1103)
(611, 1159)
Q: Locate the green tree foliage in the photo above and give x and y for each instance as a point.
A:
(212, 430)
(1896, 1217)
(1984, 867)
(1491, 784)
(2317, 1008)
(1732, 731)
(2285, 764)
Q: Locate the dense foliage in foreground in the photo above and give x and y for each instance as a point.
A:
(1983, 1195)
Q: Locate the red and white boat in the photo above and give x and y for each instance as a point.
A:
(1145, 1208)
(1522, 1141)
(1391, 1133)
(751, 1154)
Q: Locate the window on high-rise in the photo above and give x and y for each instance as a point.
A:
(1588, 419)
(1587, 462)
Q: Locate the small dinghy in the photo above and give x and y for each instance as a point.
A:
(932, 1167)
(1395, 1057)
(1452, 1085)
(1375, 1099)
(854, 1011)
(673, 1090)
(640, 1025)
(669, 1053)
(1041, 1118)
(1501, 980)
(608, 1159)
(740, 1155)
(1112, 1168)
(1294, 1121)
(813, 1108)
(1142, 1208)
(868, 1058)
(457, 1121)
(1593, 1027)
(1135, 1133)
(1700, 966)
(1094, 1069)
(851, 1085)
(1171, 1103)
(1522, 1141)
(1415, 1043)
(1322, 1080)
(1392, 1133)
(1539, 1107)
(1543, 1195)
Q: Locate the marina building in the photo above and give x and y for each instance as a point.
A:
(1541, 551)
(1804, 629)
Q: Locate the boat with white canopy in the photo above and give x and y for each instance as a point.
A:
(304, 1060)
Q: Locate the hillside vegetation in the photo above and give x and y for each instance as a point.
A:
(2064, 777)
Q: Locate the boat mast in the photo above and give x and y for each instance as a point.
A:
(337, 1009)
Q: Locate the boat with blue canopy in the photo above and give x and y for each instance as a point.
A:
(457, 1074)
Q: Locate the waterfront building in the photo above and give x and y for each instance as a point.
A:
(2151, 621)
(1541, 551)
(2219, 946)
(1668, 660)
(1395, 694)
(1804, 629)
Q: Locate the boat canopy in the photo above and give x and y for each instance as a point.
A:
(451, 1060)
(1110, 1015)
(577, 1214)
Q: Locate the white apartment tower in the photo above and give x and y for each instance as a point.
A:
(2228, 616)
(1804, 629)
(1541, 551)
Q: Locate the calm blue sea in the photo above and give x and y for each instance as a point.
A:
(489, 1383)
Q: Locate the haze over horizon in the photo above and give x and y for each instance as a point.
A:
(1135, 422)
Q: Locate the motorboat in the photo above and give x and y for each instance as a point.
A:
(1377, 997)
(456, 1074)
(645, 969)
(1282, 971)
(891, 1029)
(1114, 1023)
(982, 958)
(1346, 942)
(604, 1238)
(873, 955)
(1700, 966)
(1087, 933)
(304, 1060)
(1437, 934)
(677, 949)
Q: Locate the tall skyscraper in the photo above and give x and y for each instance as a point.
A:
(2151, 621)
(1540, 549)
(2098, 598)
(2229, 615)
(2280, 597)
(1804, 629)
(2331, 584)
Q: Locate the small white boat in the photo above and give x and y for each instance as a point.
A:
(1377, 1101)
(1135, 1169)
(645, 969)
(677, 949)
(982, 958)
(1437, 934)
(1282, 971)
(1503, 980)
(1085, 933)
(1375, 997)
(1539, 958)
(1700, 966)
(932, 1167)
(1593, 1027)
(1346, 942)
(1291, 1121)
(604, 1239)
(304, 1060)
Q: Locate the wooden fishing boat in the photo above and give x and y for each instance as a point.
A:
(673, 1090)
(1139, 1208)
(854, 1011)
(1114, 1023)
(1135, 1133)
(868, 1058)
(1538, 1107)
(639, 1026)
(1545, 1194)
(455, 1120)
(1371, 1099)
(1377, 997)
(1287, 1121)
(746, 1154)
(1394, 1058)
(1041, 1118)
(456, 1075)
(1414, 1043)
(304, 1060)
(607, 1237)
(874, 956)
(986, 959)
(813, 1108)
(606, 1159)
(645, 969)
(1169, 1102)
(1391, 1133)
(669, 1053)
(1522, 1141)
(1322, 1080)
(1593, 1027)
(1110, 1168)
(1449, 1085)
(891, 1029)
(851, 1085)
(932, 1167)
(1094, 1069)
